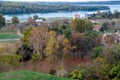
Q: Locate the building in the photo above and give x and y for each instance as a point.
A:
(97, 27)
(76, 16)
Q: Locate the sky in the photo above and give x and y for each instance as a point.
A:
(58, 0)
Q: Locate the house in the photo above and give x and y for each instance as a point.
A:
(97, 27)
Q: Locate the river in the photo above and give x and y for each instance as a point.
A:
(59, 14)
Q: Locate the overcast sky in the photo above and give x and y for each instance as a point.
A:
(57, 0)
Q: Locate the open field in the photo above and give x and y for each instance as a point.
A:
(8, 35)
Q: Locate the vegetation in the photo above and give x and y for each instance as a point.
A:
(28, 75)
(20, 7)
(2, 21)
(15, 20)
(105, 15)
(59, 46)
(8, 35)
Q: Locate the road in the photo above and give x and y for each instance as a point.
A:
(5, 40)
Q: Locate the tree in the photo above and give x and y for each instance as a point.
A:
(15, 20)
(26, 33)
(35, 17)
(31, 21)
(88, 26)
(115, 72)
(78, 73)
(96, 52)
(13, 60)
(104, 26)
(35, 58)
(43, 19)
(65, 29)
(77, 25)
(2, 21)
(107, 63)
(38, 39)
(52, 47)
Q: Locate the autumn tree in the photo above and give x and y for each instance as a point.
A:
(2, 21)
(65, 30)
(78, 73)
(15, 20)
(96, 52)
(31, 21)
(64, 48)
(35, 17)
(52, 47)
(38, 38)
(12, 60)
(35, 58)
(106, 63)
(88, 26)
(26, 33)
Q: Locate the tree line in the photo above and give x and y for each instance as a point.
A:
(20, 7)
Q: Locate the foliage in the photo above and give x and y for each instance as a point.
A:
(35, 17)
(38, 39)
(96, 52)
(51, 47)
(78, 73)
(2, 20)
(10, 59)
(26, 34)
(65, 29)
(105, 64)
(35, 58)
(79, 25)
(15, 20)
(52, 71)
(31, 22)
(115, 72)
(20, 7)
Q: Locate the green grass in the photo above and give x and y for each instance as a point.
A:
(111, 30)
(8, 35)
(28, 75)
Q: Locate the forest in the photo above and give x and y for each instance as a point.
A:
(69, 49)
(24, 7)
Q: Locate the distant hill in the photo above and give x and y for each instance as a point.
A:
(28, 75)
(89, 2)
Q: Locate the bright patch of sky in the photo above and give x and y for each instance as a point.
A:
(58, 0)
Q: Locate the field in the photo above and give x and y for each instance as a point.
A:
(8, 35)
(28, 75)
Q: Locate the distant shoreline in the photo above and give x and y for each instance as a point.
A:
(27, 8)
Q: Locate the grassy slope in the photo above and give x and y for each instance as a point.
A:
(8, 35)
(28, 75)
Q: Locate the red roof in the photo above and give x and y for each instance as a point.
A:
(77, 15)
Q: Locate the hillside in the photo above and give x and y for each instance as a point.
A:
(28, 75)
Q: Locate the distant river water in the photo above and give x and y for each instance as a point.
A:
(59, 14)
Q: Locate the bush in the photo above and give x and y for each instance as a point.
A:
(96, 52)
(52, 71)
(78, 73)
(115, 72)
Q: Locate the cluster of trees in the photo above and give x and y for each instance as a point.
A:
(20, 7)
(2, 21)
(105, 65)
(55, 42)
(108, 14)
(14, 20)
